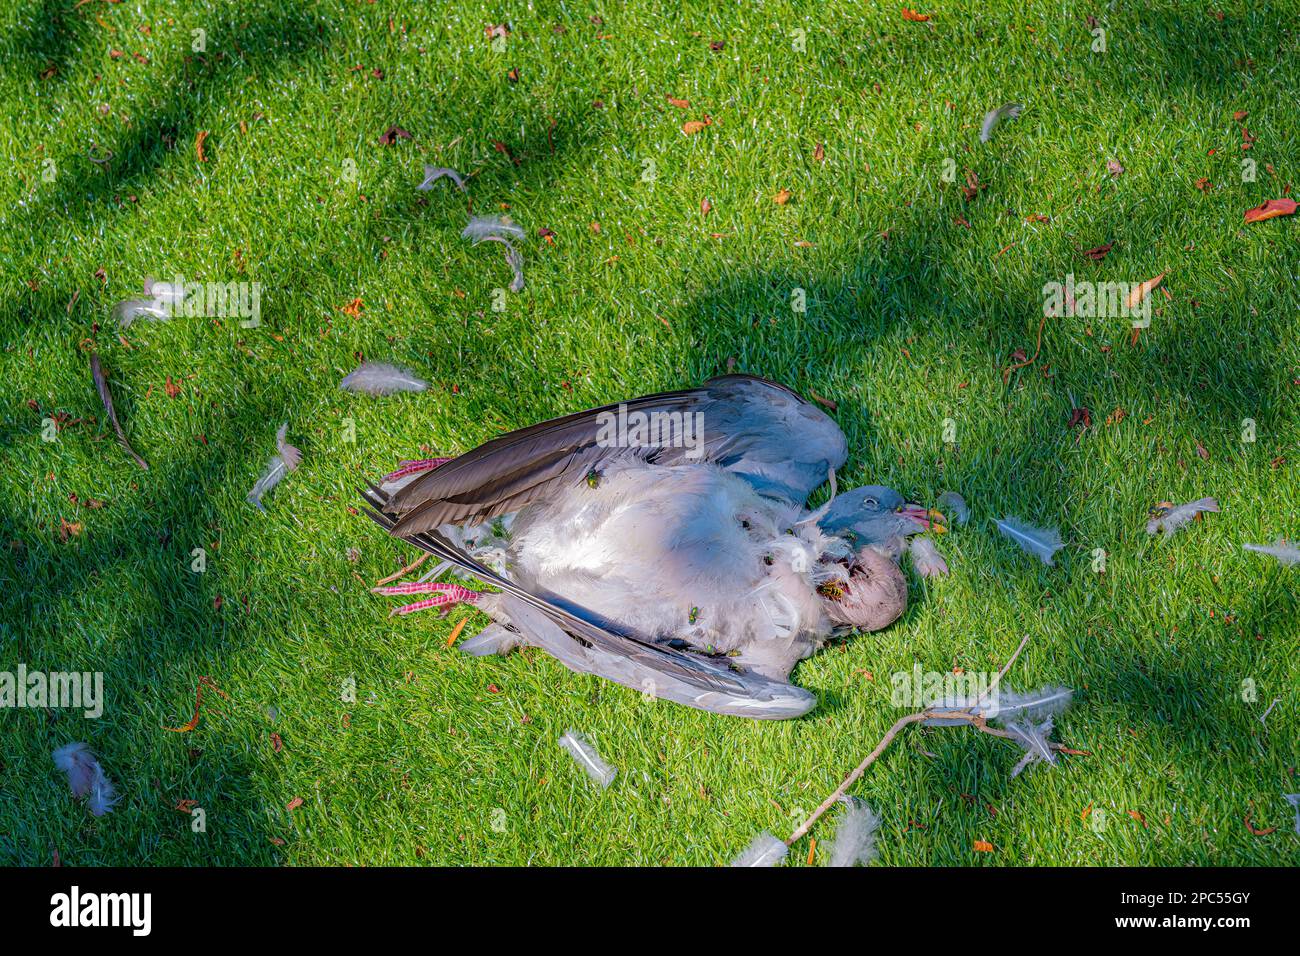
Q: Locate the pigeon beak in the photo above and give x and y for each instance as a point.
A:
(918, 513)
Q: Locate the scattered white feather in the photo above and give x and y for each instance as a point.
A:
(380, 378)
(514, 258)
(1004, 705)
(86, 777)
(926, 559)
(434, 173)
(1042, 543)
(1034, 737)
(1284, 551)
(586, 757)
(955, 504)
(286, 460)
(854, 842)
(765, 850)
(993, 117)
(482, 227)
(1176, 517)
(493, 639)
(1294, 800)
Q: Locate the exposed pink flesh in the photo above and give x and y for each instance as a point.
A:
(415, 467)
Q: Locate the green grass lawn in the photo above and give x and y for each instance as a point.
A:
(917, 298)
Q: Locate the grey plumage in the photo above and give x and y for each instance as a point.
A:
(764, 850)
(164, 300)
(1294, 800)
(954, 505)
(86, 777)
(483, 227)
(493, 639)
(1034, 738)
(993, 117)
(286, 460)
(381, 378)
(1003, 705)
(926, 559)
(854, 842)
(434, 173)
(585, 756)
(106, 397)
(1172, 518)
(1042, 543)
(1285, 552)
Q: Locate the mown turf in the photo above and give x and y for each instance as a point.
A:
(911, 317)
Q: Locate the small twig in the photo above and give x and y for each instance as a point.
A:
(406, 570)
(993, 684)
(1006, 372)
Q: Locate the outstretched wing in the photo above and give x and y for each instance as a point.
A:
(581, 641)
(760, 430)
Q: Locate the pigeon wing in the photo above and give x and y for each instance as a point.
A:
(763, 431)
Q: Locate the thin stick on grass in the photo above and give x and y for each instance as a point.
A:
(406, 570)
(974, 720)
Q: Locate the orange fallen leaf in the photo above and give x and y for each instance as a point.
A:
(915, 18)
(823, 401)
(293, 804)
(819, 152)
(680, 104)
(171, 388)
(782, 197)
(983, 846)
(455, 632)
(1141, 292)
(199, 140)
(1271, 209)
(705, 206)
(691, 127)
(1139, 818)
(353, 308)
(812, 851)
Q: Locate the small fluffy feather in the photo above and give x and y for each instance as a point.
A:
(1042, 543)
(493, 639)
(380, 378)
(1175, 518)
(993, 117)
(434, 173)
(1294, 800)
(481, 227)
(926, 559)
(86, 776)
(586, 757)
(1284, 551)
(1034, 737)
(286, 460)
(955, 504)
(854, 842)
(765, 850)
(1006, 705)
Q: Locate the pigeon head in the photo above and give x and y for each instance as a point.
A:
(874, 515)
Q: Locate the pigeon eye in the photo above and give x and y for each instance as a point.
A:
(870, 503)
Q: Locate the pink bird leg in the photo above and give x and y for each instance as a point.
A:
(415, 467)
(443, 594)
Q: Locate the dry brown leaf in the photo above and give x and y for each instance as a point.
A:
(915, 17)
(199, 140)
(782, 197)
(680, 104)
(819, 152)
(1141, 292)
(983, 846)
(706, 207)
(1271, 209)
(293, 804)
(691, 127)
(1097, 253)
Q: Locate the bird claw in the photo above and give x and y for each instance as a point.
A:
(414, 467)
(443, 595)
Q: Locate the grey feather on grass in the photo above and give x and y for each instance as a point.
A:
(1285, 552)
(1034, 738)
(926, 559)
(764, 850)
(434, 173)
(1294, 800)
(955, 504)
(514, 258)
(854, 842)
(1042, 543)
(380, 378)
(100, 379)
(493, 639)
(993, 117)
(286, 460)
(86, 777)
(481, 227)
(1004, 705)
(1176, 517)
(584, 754)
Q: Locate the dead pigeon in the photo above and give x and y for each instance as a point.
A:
(664, 542)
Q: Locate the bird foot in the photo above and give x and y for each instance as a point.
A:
(443, 595)
(414, 467)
